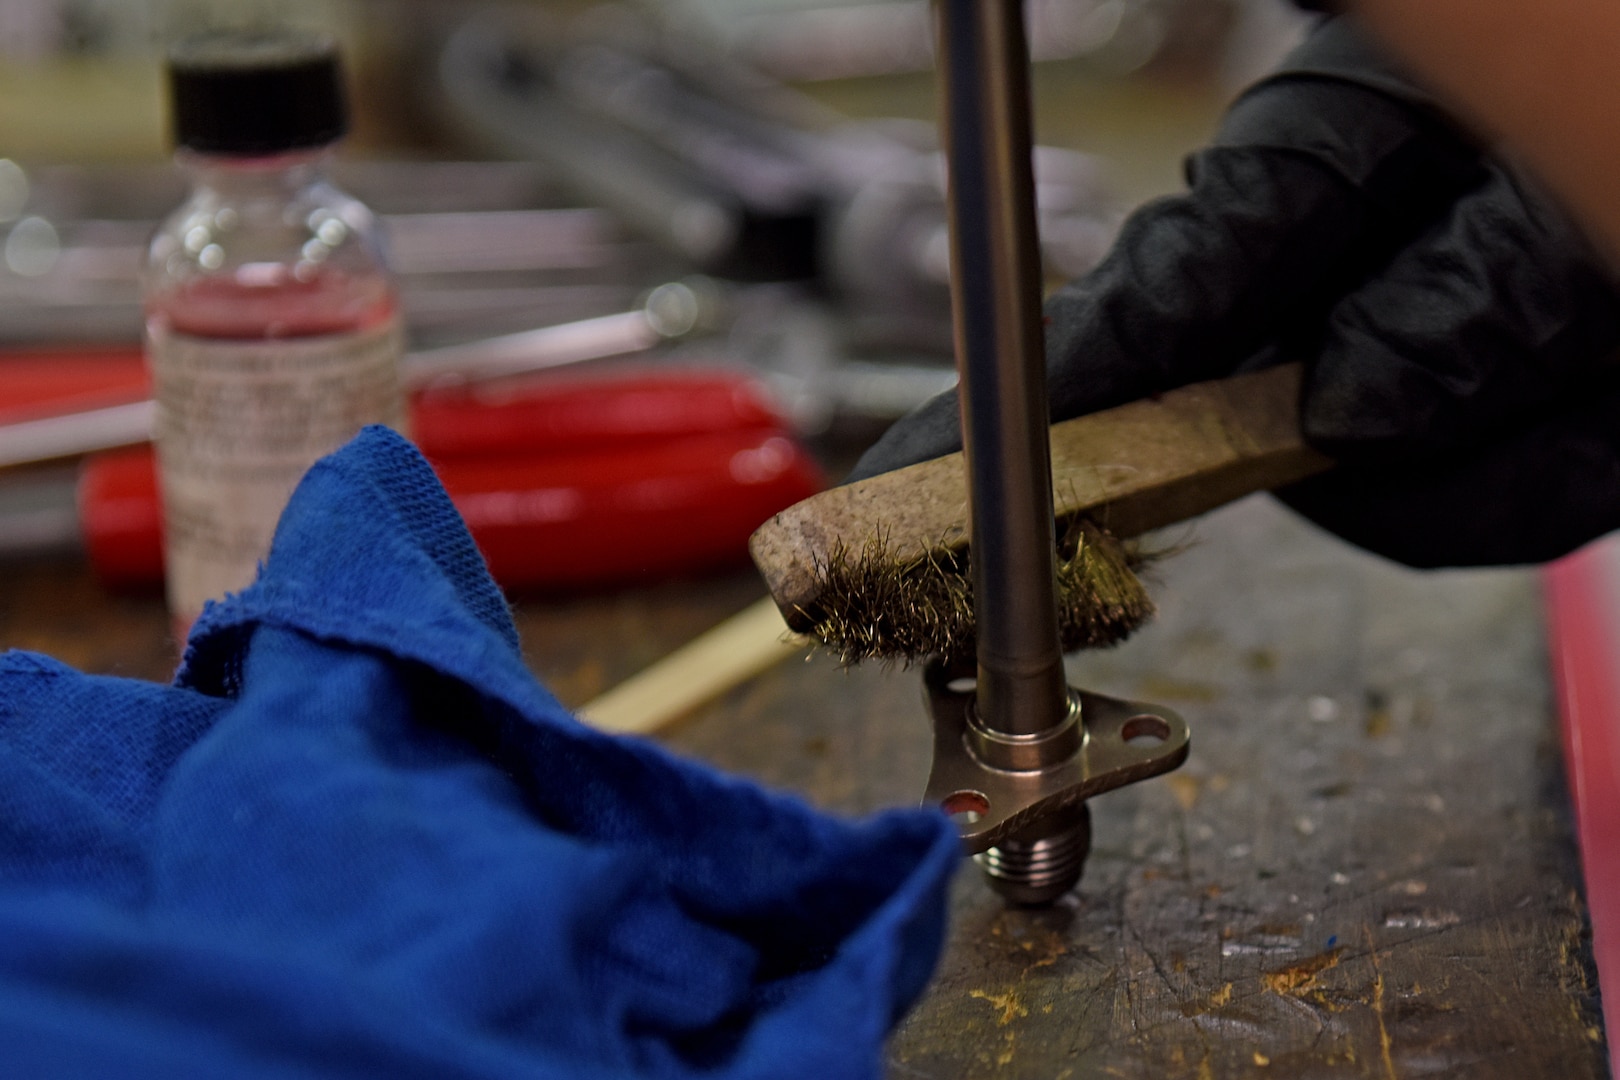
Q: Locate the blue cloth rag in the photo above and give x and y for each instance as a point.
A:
(356, 838)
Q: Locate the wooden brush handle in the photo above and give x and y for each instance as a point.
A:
(1130, 469)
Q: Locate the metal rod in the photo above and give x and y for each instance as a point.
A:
(983, 60)
(655, 321)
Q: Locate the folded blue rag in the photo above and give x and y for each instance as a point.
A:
(356, 838)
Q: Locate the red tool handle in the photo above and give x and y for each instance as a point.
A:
(543, 412)
(49, 381)
(554, 522)
(568, 412)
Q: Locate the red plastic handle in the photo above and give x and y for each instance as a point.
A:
(121, 517)
(549, 522)
(571, 412)
(50, 381)
(544, 412)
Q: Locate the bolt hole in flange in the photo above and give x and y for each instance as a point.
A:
(1145, 729)
(965, 807)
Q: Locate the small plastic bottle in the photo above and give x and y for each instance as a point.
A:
(272, 325)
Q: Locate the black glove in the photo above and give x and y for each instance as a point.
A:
(1458, 331)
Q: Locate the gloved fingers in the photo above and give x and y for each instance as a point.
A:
(1527, 497)
(933, 429)
(1316, 179)
(1194, 285)
(1500, 310)
(1340, 97)
(1197, 283)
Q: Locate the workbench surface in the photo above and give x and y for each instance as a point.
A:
(1365, 869)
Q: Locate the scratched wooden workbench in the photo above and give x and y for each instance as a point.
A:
(1365, 869)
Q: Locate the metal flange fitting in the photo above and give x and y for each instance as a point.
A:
(1020, 800)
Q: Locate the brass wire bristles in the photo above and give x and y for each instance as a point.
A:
(849, 558)
(875, 607)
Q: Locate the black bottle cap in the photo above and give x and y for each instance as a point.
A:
(256, 92)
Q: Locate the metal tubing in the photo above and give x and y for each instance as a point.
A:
(983, 60)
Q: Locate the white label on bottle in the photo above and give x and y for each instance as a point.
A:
(238, 424)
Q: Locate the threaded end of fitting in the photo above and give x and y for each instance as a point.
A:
(1033, 871)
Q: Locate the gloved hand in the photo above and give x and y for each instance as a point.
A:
(1458, 331)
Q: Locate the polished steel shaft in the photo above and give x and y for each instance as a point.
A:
(983, 60)
(1017, 755)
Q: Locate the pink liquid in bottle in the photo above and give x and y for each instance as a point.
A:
(272, 325)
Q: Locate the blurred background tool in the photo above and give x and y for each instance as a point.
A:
(566, 484)
(739, 174)
(811, 41)
(842, 221)
(479, 248)
(59, 403)
(513, 263)
(62, 402)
